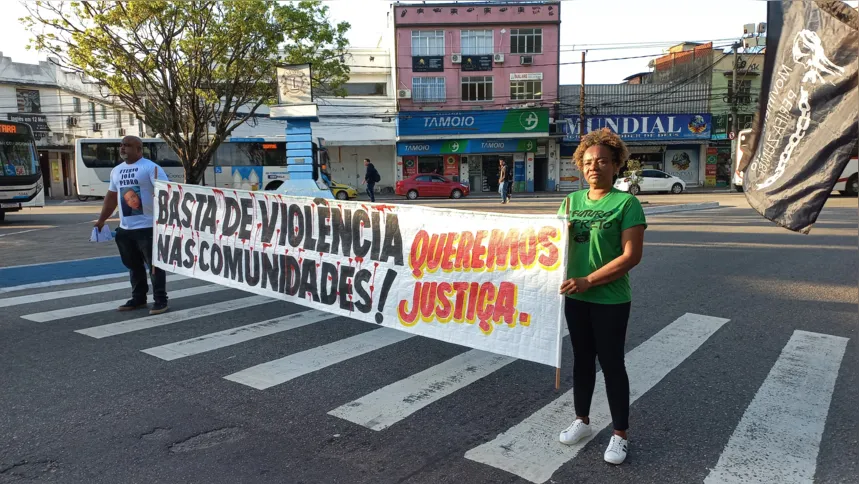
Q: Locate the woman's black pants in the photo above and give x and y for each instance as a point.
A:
(599, 331)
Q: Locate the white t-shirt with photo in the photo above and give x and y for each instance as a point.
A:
(135, 187)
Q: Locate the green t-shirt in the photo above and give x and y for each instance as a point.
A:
(595, 240)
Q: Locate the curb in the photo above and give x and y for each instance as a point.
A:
(686, 207)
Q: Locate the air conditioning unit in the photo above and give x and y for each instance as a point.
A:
(526, 60)
(96, 127)
(121, 131)
(72, 121)
(404, 94)
(499, 58)
(456, 58)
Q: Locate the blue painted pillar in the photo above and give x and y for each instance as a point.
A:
(299, 150)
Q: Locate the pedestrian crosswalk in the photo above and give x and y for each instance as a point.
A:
(798, 389)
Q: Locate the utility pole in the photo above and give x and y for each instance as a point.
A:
(582, 116)
(735, 122)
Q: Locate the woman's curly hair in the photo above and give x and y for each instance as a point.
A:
(604, 137)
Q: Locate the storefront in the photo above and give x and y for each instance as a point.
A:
(469, 146)
(674, 143)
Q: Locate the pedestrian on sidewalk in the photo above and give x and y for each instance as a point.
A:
(371, 176)
(502, 180)
(606, 238)
(508, 185)
(132, 186)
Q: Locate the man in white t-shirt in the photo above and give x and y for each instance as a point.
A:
(132, 187)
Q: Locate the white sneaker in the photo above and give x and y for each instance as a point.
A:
(575, 432)
(616, 452)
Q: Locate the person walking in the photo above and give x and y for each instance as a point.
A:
(508, 186)
(606, 237)
(502, 180)
(371, 176)
(132, 186)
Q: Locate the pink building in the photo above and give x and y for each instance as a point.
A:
(476, 85)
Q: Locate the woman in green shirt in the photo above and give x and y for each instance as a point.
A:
(606, 235)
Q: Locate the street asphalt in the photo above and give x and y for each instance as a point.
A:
(82, 409)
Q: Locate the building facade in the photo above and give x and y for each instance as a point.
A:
(476, 84)
(666, 127)
(60, 106)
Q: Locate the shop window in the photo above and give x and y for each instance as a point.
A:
(428, 90)
(477, 42)
(477, 88)
(526, 90)
(427, 43)
(526, 41)
(431, 164)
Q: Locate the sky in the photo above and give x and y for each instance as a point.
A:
(600, 26)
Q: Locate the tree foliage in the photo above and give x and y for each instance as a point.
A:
(194, 70)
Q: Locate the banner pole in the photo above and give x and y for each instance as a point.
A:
(564, 237)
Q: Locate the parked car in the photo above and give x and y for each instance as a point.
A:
(652, 181)
(426, 185)
(342, 192)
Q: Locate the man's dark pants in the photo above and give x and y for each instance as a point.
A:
(371, 190)
(135, 249)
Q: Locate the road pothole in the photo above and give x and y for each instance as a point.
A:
(208, 439)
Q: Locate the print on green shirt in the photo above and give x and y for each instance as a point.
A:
(595, 239)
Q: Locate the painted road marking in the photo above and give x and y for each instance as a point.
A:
(80, 291)
(221, 339)
(387, 406)
(282, 370)
(170, 318)
(61, 282)
(36, 273)
(112, 305)
(531, 449)
(778, 437)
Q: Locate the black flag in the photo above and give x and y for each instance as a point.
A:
(805, 131)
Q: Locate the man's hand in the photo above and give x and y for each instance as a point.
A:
(575, 285)
(99, 224)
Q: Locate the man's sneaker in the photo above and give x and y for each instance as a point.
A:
(616, 452)
(131, 305)
(575, 432)
(158, 308)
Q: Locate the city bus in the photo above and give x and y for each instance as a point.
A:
(848, 182)
(20, 175)
(239, 163)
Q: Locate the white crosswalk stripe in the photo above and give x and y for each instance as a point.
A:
(80, 291)
(228, 337)
(778, 437)
(387, 406)
(531, 449)
(72, 312)
(282, 370)
(148, 322)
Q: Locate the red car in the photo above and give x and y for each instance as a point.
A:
(427, 185)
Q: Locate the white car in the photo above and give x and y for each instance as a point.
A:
(652, 181)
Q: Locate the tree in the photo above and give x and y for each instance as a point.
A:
(633, 172)
(194, 70)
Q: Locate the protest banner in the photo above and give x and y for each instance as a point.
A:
(481, 280)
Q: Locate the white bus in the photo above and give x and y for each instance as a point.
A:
(240, 163)
(848, 182)
(20, 175)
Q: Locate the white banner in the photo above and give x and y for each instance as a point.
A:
(486, 281)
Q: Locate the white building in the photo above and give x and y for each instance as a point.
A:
(361, 125)
(60, 106)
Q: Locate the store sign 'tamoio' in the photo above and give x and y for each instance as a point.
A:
(519, 121)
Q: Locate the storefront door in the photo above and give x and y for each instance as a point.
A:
(491, 170)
